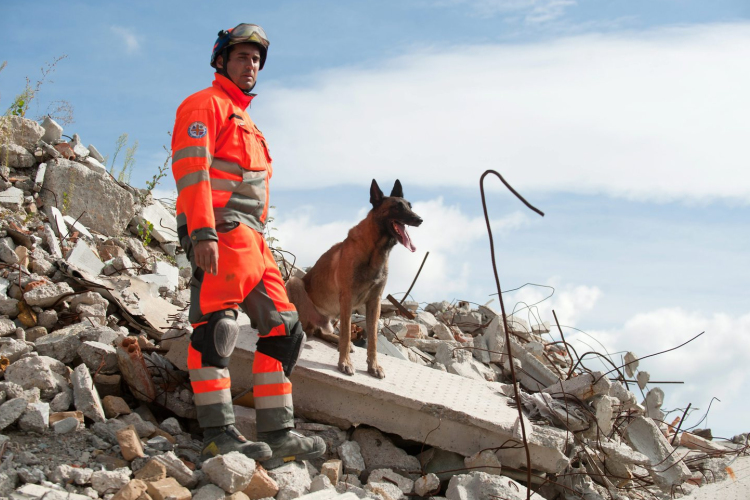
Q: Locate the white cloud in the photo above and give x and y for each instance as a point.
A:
(714, 364)
(533, 11)
(654, 115)
(447, 233)
(128, 36)
(535, 303)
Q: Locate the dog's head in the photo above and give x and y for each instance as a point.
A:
(394, 213)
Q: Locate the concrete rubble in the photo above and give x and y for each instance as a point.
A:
(95, 397)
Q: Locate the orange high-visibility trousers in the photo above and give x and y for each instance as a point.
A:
(247, 278)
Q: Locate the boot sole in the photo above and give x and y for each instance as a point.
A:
(273, 463)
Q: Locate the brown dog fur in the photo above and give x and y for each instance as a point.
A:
(353, 273)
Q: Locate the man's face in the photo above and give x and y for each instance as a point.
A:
(243, 65)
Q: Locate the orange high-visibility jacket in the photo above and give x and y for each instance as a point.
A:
(220, 162)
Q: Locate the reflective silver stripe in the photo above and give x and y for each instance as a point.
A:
(269, 378)
(224, 185)
(191, 152)
(208, 373)
(192, 178)
(225, 166)
(266, 402)
(212, 398)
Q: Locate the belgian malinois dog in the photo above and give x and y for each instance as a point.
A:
(353, 273)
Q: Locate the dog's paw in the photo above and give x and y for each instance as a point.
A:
(376, 371)
(346, 367)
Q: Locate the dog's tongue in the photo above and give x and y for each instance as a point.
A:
(403, 236)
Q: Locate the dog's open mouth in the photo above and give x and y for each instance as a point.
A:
(403, 236)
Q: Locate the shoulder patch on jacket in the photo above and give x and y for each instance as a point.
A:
(197, 130)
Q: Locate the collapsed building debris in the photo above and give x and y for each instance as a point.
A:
(95, 401)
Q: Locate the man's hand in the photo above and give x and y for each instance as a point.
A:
(206, 254)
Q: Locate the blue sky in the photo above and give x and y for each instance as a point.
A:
(624, 121)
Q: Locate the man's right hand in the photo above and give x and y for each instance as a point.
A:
(206, 253)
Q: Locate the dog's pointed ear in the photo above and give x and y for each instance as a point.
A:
(376, 195)
(397, 190)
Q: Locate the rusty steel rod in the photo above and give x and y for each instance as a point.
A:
(505, 319)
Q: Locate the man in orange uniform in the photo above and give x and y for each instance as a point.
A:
(222, 167)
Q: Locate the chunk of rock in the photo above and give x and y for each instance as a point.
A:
(484, 461)
(47, 295)
(24, 132)
(11, 348)
(61, 345)
(387, 491)
(10, 411)
(232, 472)
(426, 485)
(85, 396)
(261, 485)
(483, 486)
(293, 479)
(105, 481)
(35, 418)
(100, 202)
(153, 471)
(177, 469)
(667, 468)
(380, 453)
(15, 156)
(43, 372)
(130, 444)
(351, 456)
(131, 491)
(99, 357)
(333, 469)
(168, 489)
(405, 484)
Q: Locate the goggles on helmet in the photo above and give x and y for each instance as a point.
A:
(242, 33)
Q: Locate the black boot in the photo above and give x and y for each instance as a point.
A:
(224, 439)
(288, 445)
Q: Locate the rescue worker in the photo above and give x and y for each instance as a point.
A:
(222, 166)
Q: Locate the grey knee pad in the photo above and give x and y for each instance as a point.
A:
(216, 339)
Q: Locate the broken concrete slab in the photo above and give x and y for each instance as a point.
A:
(48, 294)
(82, 257)
(12, 199)
(85, 396)
(584, 386)
(98, 200)
(58, 221)
(379, 452)
(412, 401)
(689, 440)
(631, 364)
(77, 226)
(16, 156)
(45, 373)
(666, 468)
(165, 224)
(232, 472)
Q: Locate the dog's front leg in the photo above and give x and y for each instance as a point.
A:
(345, 331)
(373, 315)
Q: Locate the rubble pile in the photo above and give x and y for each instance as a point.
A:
(94, 401)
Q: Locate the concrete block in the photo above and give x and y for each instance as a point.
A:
(61, 345)
(75, 225)
(10, 348)
(52, 243)
(58, 221)
(232, 472)
(209, 492)
(85, 397)
(388, 349)
(584, 386)
(45, 373)
(379, 452)
(95, 153)
(653, 402)
(15, 156)
(320, 483)
(666, 468)
(429, 345)
(643, 378)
